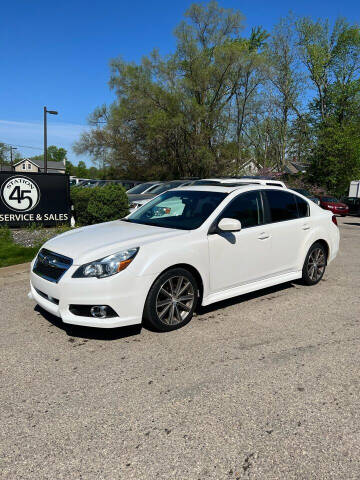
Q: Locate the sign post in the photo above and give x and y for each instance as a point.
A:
(34, 198)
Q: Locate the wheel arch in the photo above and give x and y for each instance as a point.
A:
(325, 244)
(194, 271)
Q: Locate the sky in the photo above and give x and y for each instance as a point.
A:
(57, 53)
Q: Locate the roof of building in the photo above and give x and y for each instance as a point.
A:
(294, 167)
(40, 164)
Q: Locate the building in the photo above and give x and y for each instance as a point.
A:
(27, 165)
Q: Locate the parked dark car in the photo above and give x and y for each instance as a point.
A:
(307, 194)
(353, 203)
(127, 184)
(333, 204)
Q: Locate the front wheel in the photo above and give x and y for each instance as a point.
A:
(314, 265)
(172, 300)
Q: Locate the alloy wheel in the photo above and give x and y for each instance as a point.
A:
(175, 299)
(316, 264)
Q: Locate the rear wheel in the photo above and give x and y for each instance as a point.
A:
(315, 264)
(172, 300)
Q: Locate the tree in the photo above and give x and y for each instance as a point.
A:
(81, 170)
(332, 58)
(4, 154)
(223, 103)
(54, 154)
(249, 74)
(336, 157)
(333, 61)
(69, 167)
(285, 81)
(172, 116)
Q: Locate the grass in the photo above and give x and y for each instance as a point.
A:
(12, 253)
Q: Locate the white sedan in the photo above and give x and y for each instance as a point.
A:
(187, 247)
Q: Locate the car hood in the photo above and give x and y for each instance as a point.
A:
(91, 243)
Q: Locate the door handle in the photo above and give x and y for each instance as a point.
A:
(263, 236)
(306, 226)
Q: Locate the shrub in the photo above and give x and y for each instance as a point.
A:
(99, 204)
(80, 197)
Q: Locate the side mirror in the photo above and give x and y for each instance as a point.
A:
(229, 225)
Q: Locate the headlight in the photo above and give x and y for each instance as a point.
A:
(105, 267)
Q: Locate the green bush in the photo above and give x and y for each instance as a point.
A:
(99, 204)
(80, 197)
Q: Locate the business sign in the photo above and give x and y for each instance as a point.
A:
(34, 198)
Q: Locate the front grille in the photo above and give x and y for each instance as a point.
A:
(51, 266)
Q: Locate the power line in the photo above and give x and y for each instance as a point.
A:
(23, 146)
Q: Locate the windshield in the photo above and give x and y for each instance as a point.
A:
(330, 199)
(184, 210)
(206, 182)
(164, 187)
(140, 188)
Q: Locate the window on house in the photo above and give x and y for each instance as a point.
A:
(24, 166)
(29, 166)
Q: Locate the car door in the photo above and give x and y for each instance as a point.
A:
(237, 258)
(288, 223)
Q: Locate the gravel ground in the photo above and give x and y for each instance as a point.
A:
(265, 386)
(29, 238)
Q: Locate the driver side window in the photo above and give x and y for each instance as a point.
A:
(247, 208)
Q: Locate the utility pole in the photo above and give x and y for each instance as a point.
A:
(52, 112)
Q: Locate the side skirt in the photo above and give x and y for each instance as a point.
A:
(250, 287)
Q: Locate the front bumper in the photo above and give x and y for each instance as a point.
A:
(125, 293)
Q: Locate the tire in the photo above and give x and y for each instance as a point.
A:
(315, 264)
(171, 301)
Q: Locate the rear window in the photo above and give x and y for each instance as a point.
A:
(282, 205)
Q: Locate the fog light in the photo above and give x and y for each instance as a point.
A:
(99, 311)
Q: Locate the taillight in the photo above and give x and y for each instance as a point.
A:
(334, 220)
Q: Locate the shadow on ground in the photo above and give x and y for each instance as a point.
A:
(352, 223)
(245, 298)
(89, 332)
(123, 332)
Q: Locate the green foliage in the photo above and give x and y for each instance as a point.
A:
(69, 168)
(12, 253)
(223, 103)
(54, 154)
(80, 199)
(81, 170)
(99, 204)
(171, 117)
(336, 157)
(4, 154)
